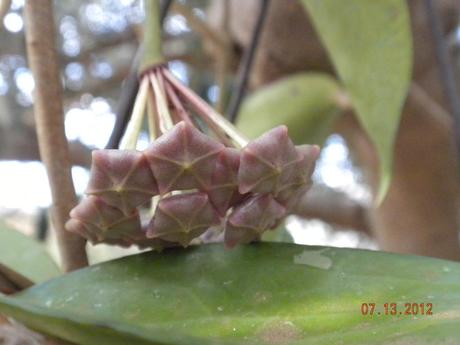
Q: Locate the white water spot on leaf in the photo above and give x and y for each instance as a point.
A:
(313, 258)
(156, 293)
(280, 332)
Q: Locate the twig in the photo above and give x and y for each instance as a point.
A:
(48, 110)
(246, 64)
(16, 278)
(7, 286)
(129, 91)
(447, 72)
(335, 208)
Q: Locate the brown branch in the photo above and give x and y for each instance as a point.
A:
(15, 278)
(446, 68)
(4, 8)
(48, 109)
(6, 285)
(335, 208)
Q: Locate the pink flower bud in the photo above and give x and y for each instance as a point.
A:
(158, 244)
(250, 219)
(223, 193)
(181, 218)
(300, 179)
(267, 162)
(98, 222)
(122, 179)
(183, 158)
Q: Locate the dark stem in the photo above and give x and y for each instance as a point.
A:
(125, 107)
(164, 9)
(246, 64)
(447, 72)
(129, 91)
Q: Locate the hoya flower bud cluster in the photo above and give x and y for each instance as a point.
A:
(193, 183)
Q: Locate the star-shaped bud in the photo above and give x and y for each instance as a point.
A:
(300, 180)
(122, 179)
(183, 158)
(142, 242)
(224, 190)
(267, 162)
(181, 218)
(250, 219)
(98, 222)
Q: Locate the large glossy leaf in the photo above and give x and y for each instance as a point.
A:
(370, 44)
(23, 257)
(306, 102)
(266, 293)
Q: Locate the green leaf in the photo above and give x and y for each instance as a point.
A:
(307, 103)
(265, 293)
(23, 257)
(370, 44)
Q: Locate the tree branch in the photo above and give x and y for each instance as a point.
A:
(6, 285)
(48, 109)
(335, 208)
(4, 8)
(447, 72)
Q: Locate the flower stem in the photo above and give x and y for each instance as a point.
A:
(129, 141)
(166, 122)
(180, 110)
(152, 36)
(152, 116)
(207, 111)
